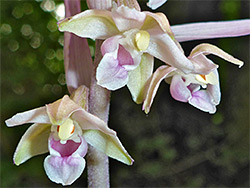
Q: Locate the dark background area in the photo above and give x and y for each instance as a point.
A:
(176, 145)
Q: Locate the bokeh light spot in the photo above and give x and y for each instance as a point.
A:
(13, 45)
(50, 54)
(27, 8)
(47, 88)
(26, 30)
(59, 54)
(60, 11)
(5, 29)
(56, 89)
(48, 5)
(61, 40)
(61, 79)
(17, 12)
(36, 40)
(18, 89)
(52, 26)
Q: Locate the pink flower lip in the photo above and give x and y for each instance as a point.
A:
(66, 149)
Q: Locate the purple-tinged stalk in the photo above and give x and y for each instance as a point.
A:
(99, 100)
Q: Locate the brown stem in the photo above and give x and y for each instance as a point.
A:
(99, 100)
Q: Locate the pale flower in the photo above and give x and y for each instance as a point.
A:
(198, 89)
(64, 128)
(132, 39)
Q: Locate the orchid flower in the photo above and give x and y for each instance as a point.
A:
(180, 88)
(200, 90)
(154, 4)
(64, 128)
(132, 39)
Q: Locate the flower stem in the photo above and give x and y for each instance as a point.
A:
(99, 100)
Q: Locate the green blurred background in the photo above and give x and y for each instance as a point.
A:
(175, 145)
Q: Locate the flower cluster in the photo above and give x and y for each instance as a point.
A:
(131, 41)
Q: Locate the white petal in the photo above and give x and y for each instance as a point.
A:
(110, 74)
(214, 90)
(89, 121)
(108, 144)
(207, 49)
(126, 18)
(37, 115)
(179, 90)
(202, 65)
(95, 24)
(161, 73)
(33, 142)
(139, 77)
(202, 100)
(64, 170)
(164, 48)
